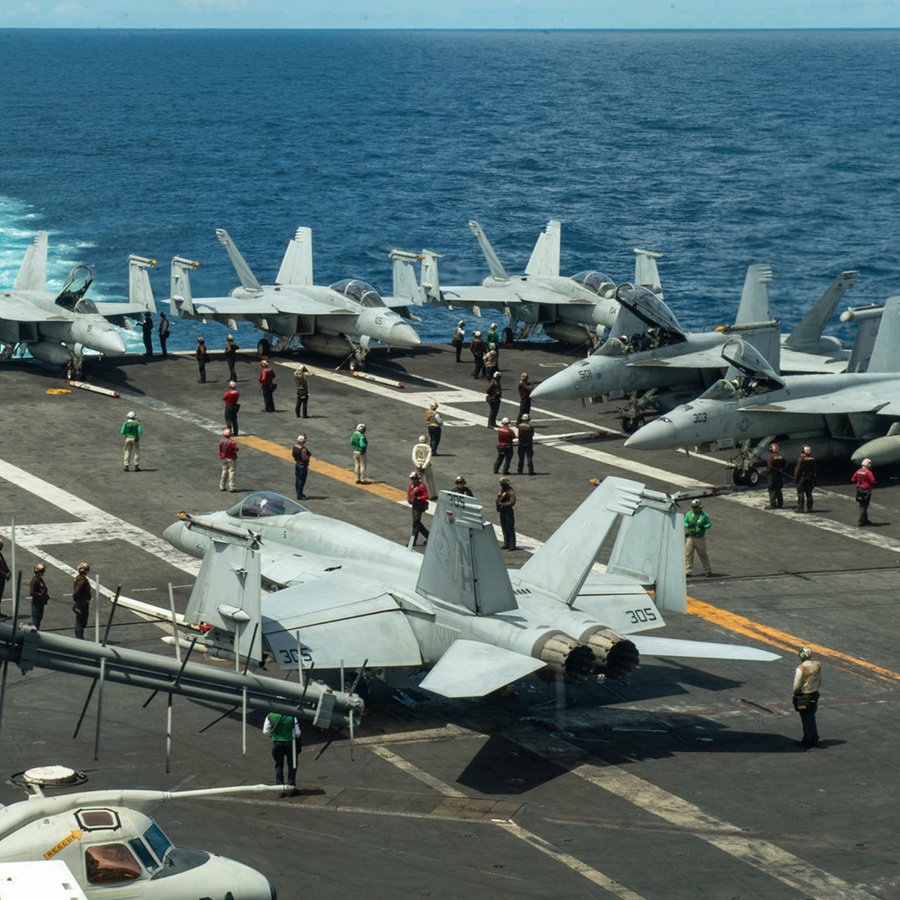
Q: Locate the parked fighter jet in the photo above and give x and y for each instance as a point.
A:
(649, 351)
(837, 413)
(573, 310)
(112, 847)
(347, 596)
(57, 327)
(336, 320)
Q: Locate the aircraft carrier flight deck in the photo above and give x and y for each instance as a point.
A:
(680, 780)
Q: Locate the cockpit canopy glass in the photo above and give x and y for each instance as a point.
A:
(262, 504)
(602, 285)
(720, 390)
(359, 291)
(86, 305)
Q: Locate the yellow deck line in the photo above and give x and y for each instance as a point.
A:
(788, 642)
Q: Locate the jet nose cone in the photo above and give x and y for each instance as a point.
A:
(101, 339)
(403, 335)
(556, 387)
(657, 435)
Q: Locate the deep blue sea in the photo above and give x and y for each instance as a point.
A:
(719, 149)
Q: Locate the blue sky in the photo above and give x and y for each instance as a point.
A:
(451, 14)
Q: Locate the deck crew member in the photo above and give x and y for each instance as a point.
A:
(460, 487)
(231, 349)
(805, 479)
(526, 444)
(300, 453)
(228, 453)
(147, 329)
(231, 399)
(864, 480)
(459, 338)
(285, 733)
(81, 599)
(132, 430)
(807, 681)
(37, 589)
(478, 348)
(525, 388)
(434, 422)
(506, 500)
(202, 355)
(163, 332)
(505, 437)
(360, 444)
(775, 466)
(696, 524)
(267, 386)
(417, 498)
(301, 382)
(494, 396)
(421, 459)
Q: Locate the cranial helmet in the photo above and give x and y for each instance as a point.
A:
(504, 421)
(696, 504)
(867, 463)
(414, 475)
(226, 432)
(460, 479)
(433, 405)
(132, 415)
(361, 426)
(39, 568)
(83, 567)
(421, 438)
(301, 438)
(526, 417)
(804, 653)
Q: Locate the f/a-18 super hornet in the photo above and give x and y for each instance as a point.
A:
(57, 327)
(338, 320)
(659, 364)
(856, 412)
(346, 597)
(575, 309)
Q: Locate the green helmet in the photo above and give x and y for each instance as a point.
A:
(804, 652)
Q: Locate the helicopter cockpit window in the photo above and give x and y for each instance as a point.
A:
(111, 863)
(263, 504)
(158, 842)
(151, 864)
(360, 291)
(602, 285)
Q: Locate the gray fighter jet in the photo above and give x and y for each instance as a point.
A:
(338, 320)
(345, 596)
(838, 414)
(58, 327)
(574, 310)
(649, 351)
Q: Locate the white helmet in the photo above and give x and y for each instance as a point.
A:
(132, 414)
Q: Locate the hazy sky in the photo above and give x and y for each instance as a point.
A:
(451, 14)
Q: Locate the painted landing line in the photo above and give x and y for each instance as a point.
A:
(730, 839)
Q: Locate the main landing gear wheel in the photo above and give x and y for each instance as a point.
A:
(630, 424)
(507, 336)
(263, 347)
(745, 476)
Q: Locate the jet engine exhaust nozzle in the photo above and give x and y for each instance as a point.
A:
(564, 656)
(614, 655)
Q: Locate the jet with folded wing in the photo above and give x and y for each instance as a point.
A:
(650, 356)
(338, 320)
(57, 327)
(573, 310)
(842, 415)
(346, 597)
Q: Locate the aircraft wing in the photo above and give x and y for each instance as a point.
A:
(801, 363)
(711, 358)
(340, 621)
(474, 669)
(292, 303)
(661, 646)
(17, 309)
(510, 294)
(881, 397)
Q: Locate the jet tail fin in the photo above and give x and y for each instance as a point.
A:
(754, 305)
(463, 565)
(561, 566)
(807, 334)
(405, 285)
(886, 352)
(650, 548)
(863, 344)
(545, 256)
(244, 273)
(431, 280)
(493, 261)
(181, 301)
(140, 292)
(226, 593)
(33, 271)
(646, 274)
(297, 265)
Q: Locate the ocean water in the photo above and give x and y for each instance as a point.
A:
(718, 149)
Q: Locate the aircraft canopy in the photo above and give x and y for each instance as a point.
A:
(262, 504)
(359, 291)
(602, 285)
